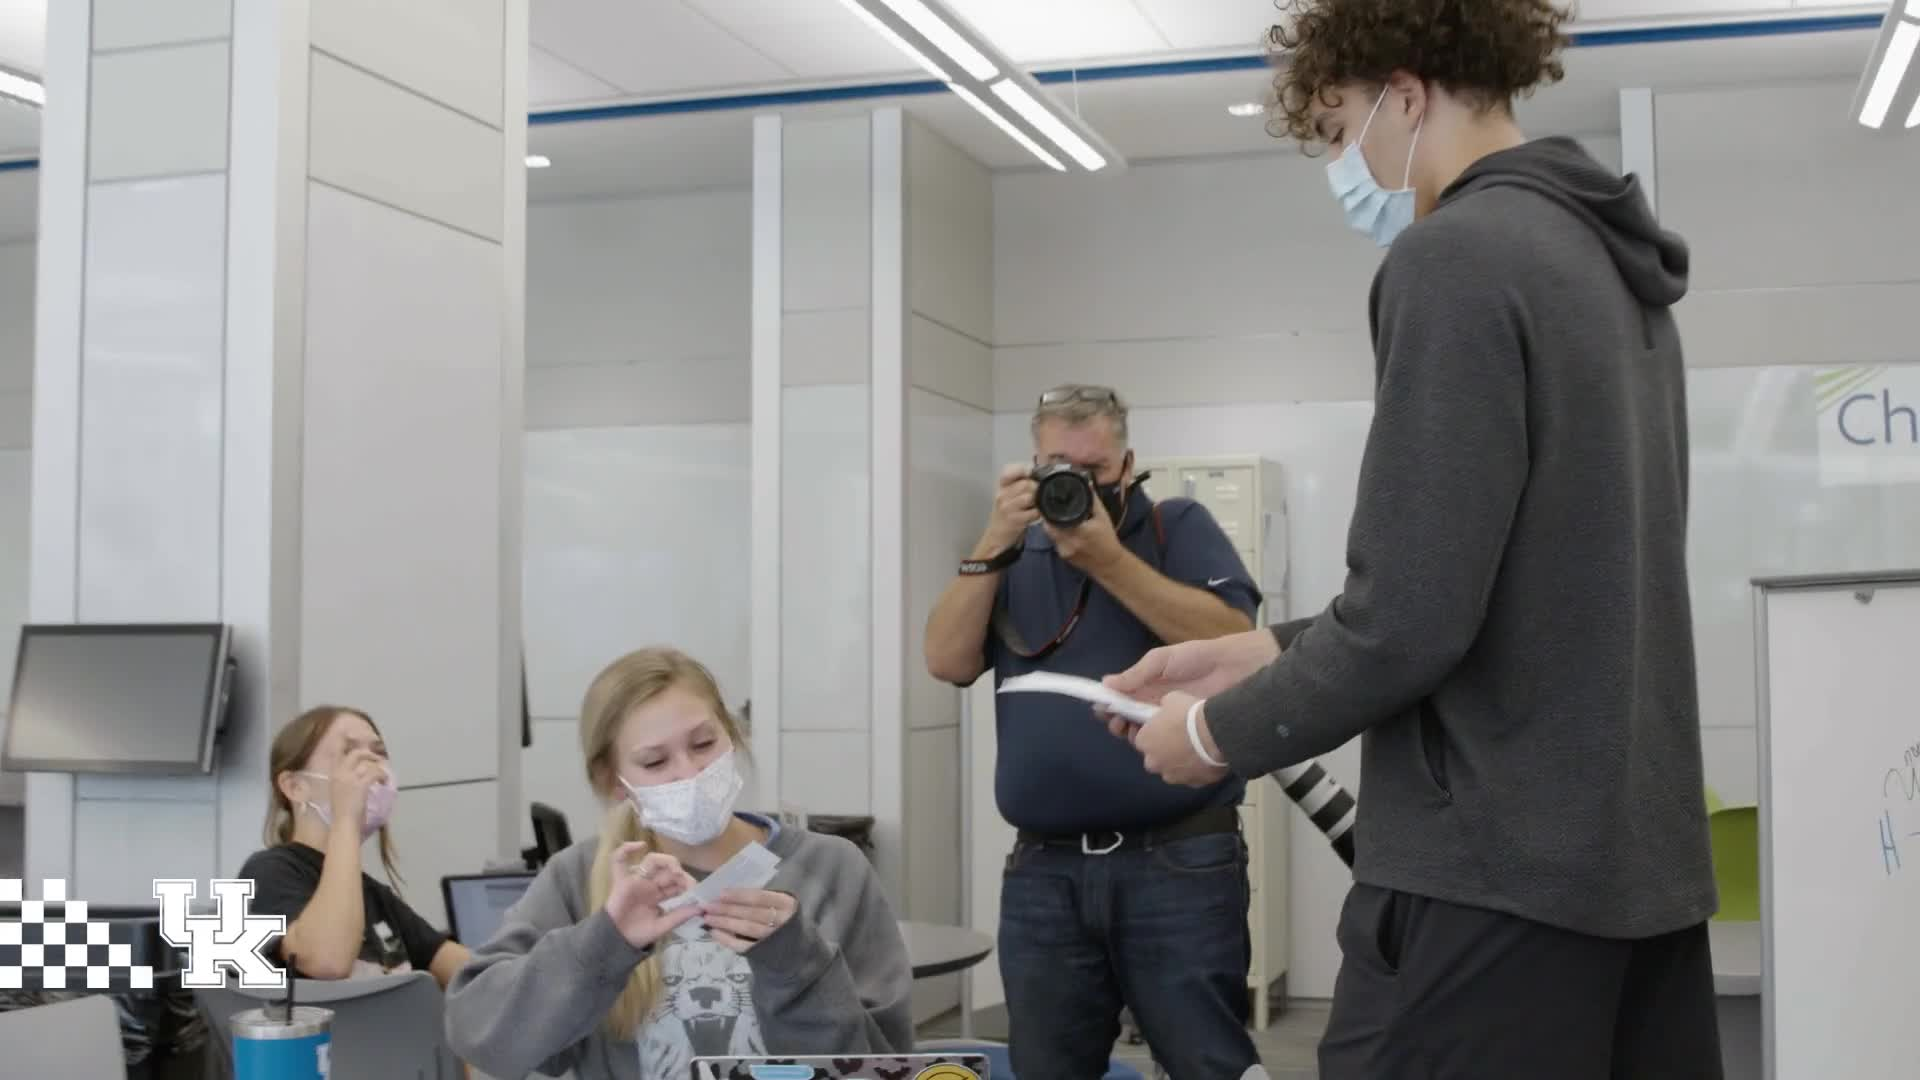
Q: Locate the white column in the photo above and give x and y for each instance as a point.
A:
(1637, 154)
(278, 381)
(873, 476)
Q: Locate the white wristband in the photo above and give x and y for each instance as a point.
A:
(1193, 734)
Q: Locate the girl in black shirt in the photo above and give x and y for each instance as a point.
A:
(332, 791)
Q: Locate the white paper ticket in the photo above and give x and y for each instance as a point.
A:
(751, 868)
(1092, 690)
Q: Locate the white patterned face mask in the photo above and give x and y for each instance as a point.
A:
(692, 811)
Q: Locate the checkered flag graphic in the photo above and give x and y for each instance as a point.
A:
(37, 954)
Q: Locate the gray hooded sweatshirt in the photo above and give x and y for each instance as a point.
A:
(1514, 643)
(834, 978)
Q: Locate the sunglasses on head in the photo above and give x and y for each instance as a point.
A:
(1065, 395)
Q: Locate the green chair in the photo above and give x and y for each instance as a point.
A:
(1735, 832)
(1714, 803)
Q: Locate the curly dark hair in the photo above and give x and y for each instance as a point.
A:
(1486, 52)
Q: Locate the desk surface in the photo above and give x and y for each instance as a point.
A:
(942, 950)
(1736, 958)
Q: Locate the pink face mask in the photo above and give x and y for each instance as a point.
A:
(380, 800)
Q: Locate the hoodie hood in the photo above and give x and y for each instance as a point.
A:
(1652, 260)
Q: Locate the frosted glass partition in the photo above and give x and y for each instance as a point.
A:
(1759, 508)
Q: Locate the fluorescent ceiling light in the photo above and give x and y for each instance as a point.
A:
(1006, 125)
(950, 48)
(22, 88)
(1247, 108)
(941, 34)
(898, 42)
(1051, 126)
(538, 161)
(1899, 40)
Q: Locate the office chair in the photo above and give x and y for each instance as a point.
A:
(78, 1038)
(550, 835)
(390, 1026)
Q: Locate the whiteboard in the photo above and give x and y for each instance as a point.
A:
(1840, 823)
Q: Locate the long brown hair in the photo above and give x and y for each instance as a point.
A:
(292, 749)
(625, 685)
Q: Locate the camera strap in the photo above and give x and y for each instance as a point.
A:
(977, 567)
(1003, 620)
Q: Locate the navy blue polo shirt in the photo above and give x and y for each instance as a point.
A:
(1058, 768)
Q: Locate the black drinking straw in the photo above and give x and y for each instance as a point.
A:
(286, 1015)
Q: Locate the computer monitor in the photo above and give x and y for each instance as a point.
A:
(141, 698)
(478, 903)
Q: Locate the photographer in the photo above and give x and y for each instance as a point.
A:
(1122, 890)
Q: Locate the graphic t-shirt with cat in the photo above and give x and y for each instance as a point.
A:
(705, 1007)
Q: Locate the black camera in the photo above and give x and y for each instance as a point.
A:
(1063, 493)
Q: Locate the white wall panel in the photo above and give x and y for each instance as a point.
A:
(644, 395)
(950, 489)
(400, 525)
(133, 24)
(130, 842)
(825, 772)
(931, 847)
(826, 661)
(434, 834)
(933, 825)
(948, 363)
(1223, 248)
(1192, 371)
(825, 186)
(14, 538)
(16, 317)
(949, 235)
(448, 50)
(158, 112)
(377, 140)
(825, 347)
(152, 400)
(641, 280)
(1809, 199)
(634, 537)
(16, 420)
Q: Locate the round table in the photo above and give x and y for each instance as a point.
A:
(942, 950)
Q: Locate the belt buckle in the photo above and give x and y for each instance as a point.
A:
(1087, 848)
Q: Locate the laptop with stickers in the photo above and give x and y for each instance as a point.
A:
(948, 1066)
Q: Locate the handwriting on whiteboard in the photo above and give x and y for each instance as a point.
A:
(1902, 785)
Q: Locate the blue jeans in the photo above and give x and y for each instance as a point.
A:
(1160, 930)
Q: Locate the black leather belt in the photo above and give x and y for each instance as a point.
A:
(1209, 822)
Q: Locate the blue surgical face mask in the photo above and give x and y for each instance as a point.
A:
(1371, 210)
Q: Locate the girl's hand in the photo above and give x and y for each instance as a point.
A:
(640, 887)
(742, 918)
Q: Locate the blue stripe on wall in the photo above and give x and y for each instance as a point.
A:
(788, 98)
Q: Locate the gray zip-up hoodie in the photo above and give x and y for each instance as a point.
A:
(834, 979)
(1514, 642)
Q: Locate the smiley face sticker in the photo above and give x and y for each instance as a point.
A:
(947, 1072)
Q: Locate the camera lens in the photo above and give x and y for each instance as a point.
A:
(1064, 498)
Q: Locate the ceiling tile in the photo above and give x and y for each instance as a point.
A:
(552, 81)
(815, 39)
(651, 48)
(1029, 32)
(1212, 24)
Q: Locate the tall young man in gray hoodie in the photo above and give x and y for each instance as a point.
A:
(1514, 642)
